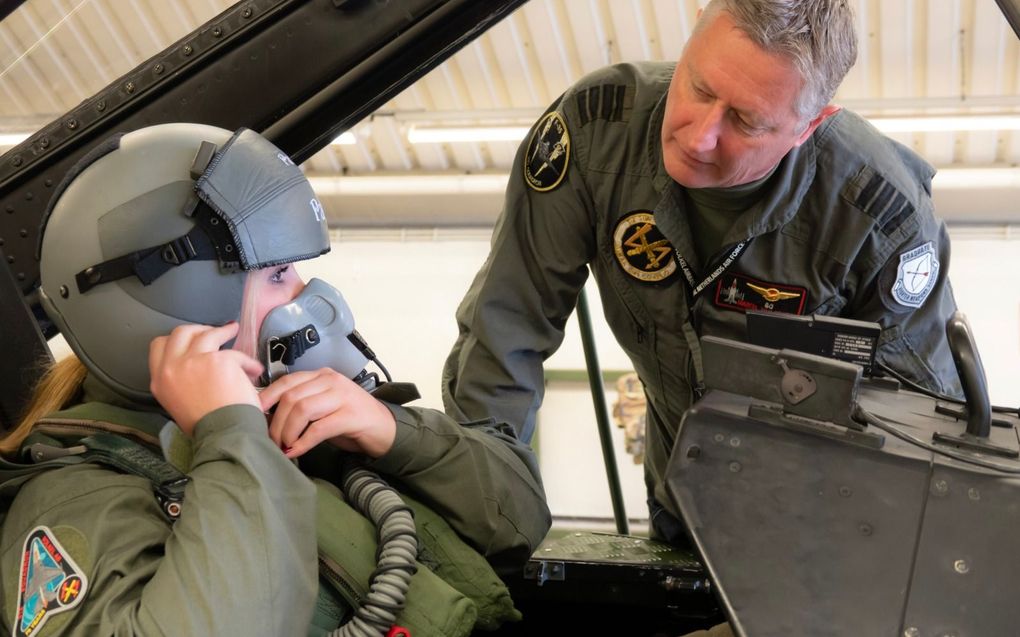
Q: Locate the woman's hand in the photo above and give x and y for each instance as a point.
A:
(312, 407)
(192, 376)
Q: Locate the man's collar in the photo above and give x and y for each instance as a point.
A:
(662, 182)
(781, 197)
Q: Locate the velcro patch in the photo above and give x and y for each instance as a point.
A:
(916, 275)
(545, 162)
(607, 101)
(739, 292)
(880, 200)
(49, 582)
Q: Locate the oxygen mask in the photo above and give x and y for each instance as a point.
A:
(313, 331)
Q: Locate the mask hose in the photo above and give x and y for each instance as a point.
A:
(398, 547)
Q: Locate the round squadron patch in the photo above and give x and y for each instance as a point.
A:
(545, 162)
(642, 250)
(916, 275)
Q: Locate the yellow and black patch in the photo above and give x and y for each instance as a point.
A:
(545, 162)
(642, 250)
(738, 292)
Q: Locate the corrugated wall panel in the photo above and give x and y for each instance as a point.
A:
(591, 43)
(942, 70)
(909, 50)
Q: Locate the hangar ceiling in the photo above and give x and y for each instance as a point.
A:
(917, 58)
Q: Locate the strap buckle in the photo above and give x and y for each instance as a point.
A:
(170, 495)
(178, 251)
(42, 452)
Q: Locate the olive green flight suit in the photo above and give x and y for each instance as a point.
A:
(242, 559)
(838, 229)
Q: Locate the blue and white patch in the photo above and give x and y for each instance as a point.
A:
(916, 275)
(49, 582)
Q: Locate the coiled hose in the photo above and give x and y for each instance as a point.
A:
(398, 547)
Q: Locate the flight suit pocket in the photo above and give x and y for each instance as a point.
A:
(633, 328)
(831, 306)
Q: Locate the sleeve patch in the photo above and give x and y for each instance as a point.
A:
(548, 153)
(49, 582)
(880, 200)
(916, 274)
(608, 101)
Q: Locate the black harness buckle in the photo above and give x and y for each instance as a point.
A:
(179, 251)
(289, 348)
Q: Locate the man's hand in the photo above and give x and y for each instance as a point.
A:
(325, 405)
(192, 376)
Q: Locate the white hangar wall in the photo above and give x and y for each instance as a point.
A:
(404, 289)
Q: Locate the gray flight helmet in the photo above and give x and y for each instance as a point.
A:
(155, 228)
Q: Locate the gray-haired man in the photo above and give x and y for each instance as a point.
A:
(696, 191)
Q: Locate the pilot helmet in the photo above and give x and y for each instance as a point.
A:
(156, 228)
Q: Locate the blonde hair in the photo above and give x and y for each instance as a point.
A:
(59, 385)
(247, 340)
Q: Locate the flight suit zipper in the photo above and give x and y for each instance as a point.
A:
(72, 427)
(342, 580)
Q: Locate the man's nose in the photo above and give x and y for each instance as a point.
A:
(706, 129)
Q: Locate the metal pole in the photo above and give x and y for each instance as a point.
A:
(598, 394)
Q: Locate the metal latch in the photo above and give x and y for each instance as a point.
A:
(796, 385)
(542, 571)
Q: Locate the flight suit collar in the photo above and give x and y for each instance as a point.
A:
(670, 213)
(661, 179)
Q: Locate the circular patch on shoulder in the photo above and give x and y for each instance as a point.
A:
(642, 250)
(545, 162)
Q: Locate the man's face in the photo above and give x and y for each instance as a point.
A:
(730, 115)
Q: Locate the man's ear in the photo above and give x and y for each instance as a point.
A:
(827, 112)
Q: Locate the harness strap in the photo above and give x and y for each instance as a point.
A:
(208, 240)
(130, 457)
(111, 450)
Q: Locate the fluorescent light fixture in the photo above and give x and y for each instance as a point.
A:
(345, 138)
(374, 185)
(454, 134)
(443, 184)
(418, 134)
(12, 139)
(936, 123)
(976, 178)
